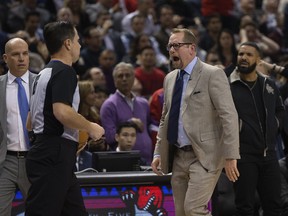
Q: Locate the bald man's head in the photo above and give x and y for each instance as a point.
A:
(17, 56)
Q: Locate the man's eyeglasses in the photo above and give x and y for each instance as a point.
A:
(176, 46)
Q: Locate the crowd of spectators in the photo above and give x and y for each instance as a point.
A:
(133, 35)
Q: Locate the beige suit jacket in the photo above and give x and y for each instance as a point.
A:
(209, 117)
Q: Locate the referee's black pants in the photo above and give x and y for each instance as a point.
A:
(54, 189)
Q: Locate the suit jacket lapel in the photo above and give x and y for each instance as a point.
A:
(194, 78)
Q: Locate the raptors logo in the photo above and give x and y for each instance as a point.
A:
(149, 199)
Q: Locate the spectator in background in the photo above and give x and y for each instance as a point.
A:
(166, 14)
(224, 8)
(96, 75)
(87, 101)
(150, 77)
(17, 14)
(213, 26)
(122, 106)
(272, 21)
(249, 32)
(32, 27)
(226, 48)
(184, 13)
(101, 94)
(261, 113)
(79, 16)
(110, 38)
(107, 61)
(89, 55)
(246, 8)
(37, 58)
(64, 14)
(138, 43)
(98, 7)
(143, 9)
(213, 58)
(138, 37)
(137, 27)
(201, 53)
(126, 136)
(35, 35)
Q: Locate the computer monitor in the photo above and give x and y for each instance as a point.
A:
(112, 161)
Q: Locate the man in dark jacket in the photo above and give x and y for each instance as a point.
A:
(261, 111)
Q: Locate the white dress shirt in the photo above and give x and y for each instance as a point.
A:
(15, 134)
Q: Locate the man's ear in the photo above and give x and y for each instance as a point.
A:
(67, 44)
(116, 137)
(4, 57)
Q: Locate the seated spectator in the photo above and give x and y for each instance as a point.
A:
(79, 16)
(107, 61)
(87, 109)
(36, 60)
(284, 184)
(137, 39)
(143, 8)
(126, 138)
(138, 43)
(166, 22)
(65, 14)
(35, 35)
(101, 94)
(111, 38)
(122, 106)
(87, 101)
(209, 37)
(249, 32)
(96, 75)
(91, 50)
(213, 58)
(196, 30)
(184, 13)
(150, 77)
(226, 48)
(17, 14)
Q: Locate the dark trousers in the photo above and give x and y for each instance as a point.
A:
(264, 177)
(54, 187)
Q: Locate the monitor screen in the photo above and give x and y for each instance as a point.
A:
(112, 161)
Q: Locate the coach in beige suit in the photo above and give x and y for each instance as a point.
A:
(207, 134)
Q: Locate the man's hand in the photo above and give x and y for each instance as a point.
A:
(138, 122)
(231, 169)
(95, 131)
(156, 166)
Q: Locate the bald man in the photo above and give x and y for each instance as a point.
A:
(14, 146)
